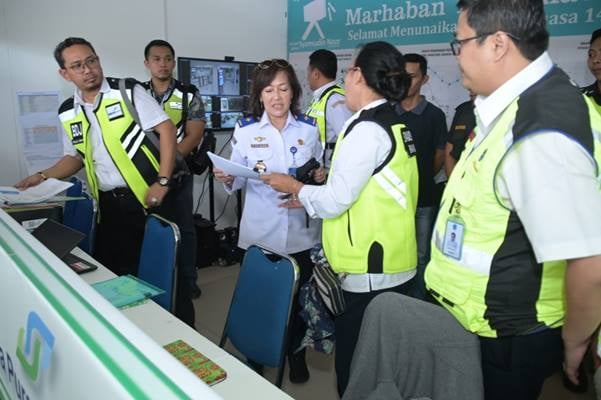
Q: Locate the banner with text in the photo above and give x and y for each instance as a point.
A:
(424, 27)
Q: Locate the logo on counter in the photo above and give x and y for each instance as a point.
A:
(34, 346)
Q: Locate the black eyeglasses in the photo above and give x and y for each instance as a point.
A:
(277, 62)
(457, 43)
(90, 62)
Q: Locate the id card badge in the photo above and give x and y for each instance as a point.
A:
(453, 238)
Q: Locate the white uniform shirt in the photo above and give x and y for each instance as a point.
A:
(337, 113)
(547, 178)
(151, 114)
(360, 153)
(263, 221)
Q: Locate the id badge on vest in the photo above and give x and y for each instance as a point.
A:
(452, 245)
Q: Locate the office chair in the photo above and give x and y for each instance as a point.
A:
(158, 258)
(80, 214)
(257, 321)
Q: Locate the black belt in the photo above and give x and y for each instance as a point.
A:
(118, 191)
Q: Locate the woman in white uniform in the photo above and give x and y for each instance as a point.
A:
(277, 138)
(368, 202)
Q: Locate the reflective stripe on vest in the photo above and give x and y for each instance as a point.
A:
(173, 107)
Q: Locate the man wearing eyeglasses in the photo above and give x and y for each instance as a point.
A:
(523, 204)
(126, 173)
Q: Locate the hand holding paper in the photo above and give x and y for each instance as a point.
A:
(34, 194)
(232, 168)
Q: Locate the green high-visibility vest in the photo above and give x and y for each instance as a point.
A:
(377, 233)
(317, 110)
(134, 155)
(493, 284)
(176, 107)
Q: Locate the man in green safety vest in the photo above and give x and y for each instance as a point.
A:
(516, 247)
(127, 174)
(183, 105)
(328, 106)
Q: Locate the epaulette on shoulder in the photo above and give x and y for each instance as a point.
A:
(306, 119)
(242, 122)
(67, 105)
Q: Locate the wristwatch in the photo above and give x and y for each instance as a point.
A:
(163, 181)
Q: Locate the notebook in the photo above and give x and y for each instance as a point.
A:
(60, 239)
(195, 361)
(126, 291)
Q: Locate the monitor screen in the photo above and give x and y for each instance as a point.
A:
(224, 87)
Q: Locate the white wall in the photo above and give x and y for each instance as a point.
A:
(119, 30)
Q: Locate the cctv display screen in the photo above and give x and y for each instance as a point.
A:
(224, 87)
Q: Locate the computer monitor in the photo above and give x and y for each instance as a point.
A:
(224, 87)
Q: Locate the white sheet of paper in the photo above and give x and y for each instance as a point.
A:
(35, 194)
(232, 168)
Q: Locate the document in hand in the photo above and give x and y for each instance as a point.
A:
(232, 168)
(35, 194)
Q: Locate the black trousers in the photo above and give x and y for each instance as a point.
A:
(348, 325)
(516, 367)
(178, 208)
(120, 232)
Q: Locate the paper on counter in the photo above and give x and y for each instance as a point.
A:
(232, 168)
(34, 194)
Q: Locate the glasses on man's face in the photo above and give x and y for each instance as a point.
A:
(78, 67)
(456, 44)
(277, 62)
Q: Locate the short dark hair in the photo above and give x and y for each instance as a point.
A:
(262, 76)
(419, 59)
(157, 43)
(523, 20)
(595, 35)
(383, 68)
(325, 61)
(68, 42)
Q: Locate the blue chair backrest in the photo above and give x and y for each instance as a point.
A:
(158, 258)
(80, 214)
(258, 317)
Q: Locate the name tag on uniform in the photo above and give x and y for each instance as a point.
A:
(259, 145)
(453, 239)
(114, 111)
(175, 105)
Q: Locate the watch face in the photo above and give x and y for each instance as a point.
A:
(163, 181)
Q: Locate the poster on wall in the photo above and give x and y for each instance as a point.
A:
(424, 27)
(40, 133)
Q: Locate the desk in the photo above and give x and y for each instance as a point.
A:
(164, 328)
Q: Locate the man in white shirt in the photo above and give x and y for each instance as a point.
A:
(328, 106)
(516, 248)
(126, 173)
